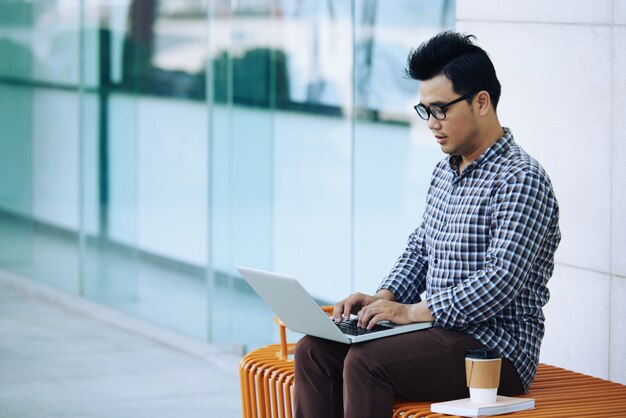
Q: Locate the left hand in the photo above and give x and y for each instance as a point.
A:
(399, 313)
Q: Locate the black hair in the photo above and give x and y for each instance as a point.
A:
(454, 55)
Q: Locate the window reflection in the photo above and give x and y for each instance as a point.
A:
(290, 54)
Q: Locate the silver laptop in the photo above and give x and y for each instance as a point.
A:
(300, 313)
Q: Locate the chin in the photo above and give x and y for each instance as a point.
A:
(448, 150)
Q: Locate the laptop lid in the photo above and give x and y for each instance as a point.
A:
(300, 313)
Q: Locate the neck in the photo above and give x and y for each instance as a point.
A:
(487, 138)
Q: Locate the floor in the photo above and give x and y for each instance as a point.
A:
(63, 356)
(160, 291)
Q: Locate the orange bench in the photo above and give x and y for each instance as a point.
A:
(267, 377)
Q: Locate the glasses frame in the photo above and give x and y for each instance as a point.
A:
(429, 110)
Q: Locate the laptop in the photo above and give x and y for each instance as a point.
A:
(300, 313)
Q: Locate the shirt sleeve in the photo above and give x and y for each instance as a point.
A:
(407, 279)
(523, 210)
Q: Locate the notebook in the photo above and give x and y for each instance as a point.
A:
(466, 408)
(300, 313)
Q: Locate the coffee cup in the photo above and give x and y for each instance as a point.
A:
(482, 371)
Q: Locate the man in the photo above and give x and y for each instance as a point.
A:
(481, 258)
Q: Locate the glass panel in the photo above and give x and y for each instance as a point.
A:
(16, 40)
(40, 111)
(16, 226)
(171, 165)
(109, 153)
(312, 199)
(394, 151)
(16, 98)
(148, 253)
(242, 123)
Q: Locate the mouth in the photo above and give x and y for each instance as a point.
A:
(441, 139)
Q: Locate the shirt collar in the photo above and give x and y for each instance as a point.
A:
(498, 147)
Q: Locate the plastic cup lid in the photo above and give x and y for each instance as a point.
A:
(482, 353)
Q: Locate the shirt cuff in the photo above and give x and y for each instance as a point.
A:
(442, 308)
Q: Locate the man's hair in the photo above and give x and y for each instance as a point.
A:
(455, 56)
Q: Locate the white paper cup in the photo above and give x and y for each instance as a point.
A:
(478, 395)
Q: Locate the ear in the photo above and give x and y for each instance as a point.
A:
(483, 100)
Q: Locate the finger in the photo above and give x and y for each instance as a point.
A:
(374, 313)
(365, 316)
(359, 315)
(337, 311)
(342, 309)
(347, 308)
(375, 320)
(368, 312)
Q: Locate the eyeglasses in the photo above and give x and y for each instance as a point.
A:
(439, 112)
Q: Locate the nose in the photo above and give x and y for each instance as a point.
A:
(433, 123)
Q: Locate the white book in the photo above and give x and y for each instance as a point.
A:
(466, 408)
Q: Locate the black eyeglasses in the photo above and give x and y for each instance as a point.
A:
(439, 112)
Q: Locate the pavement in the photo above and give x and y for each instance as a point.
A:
(62, 356)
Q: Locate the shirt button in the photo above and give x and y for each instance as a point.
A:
(444, 223)
(435, 261)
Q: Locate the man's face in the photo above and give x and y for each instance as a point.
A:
(457, 133)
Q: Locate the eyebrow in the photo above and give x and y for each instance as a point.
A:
(433, 104)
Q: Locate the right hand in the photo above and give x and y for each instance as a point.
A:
(351, 305)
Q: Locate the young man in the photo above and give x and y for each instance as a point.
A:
(481, 256)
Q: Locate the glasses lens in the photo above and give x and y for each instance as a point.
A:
(437, 112)
(421, 111)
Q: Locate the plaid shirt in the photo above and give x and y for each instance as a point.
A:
(485, 251)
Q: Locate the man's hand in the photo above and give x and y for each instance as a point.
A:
(355, 303)
(399, 313)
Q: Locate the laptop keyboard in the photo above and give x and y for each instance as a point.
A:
(350, 327)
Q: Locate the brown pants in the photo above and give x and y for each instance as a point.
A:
(361, 380)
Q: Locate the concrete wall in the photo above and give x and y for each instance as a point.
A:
(562, 65)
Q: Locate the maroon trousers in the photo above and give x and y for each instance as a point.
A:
(361, 380)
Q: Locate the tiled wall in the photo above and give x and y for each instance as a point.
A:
(562, 65)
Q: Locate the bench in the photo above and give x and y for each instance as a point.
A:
(267, 378)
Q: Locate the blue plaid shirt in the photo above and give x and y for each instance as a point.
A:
(484, 252)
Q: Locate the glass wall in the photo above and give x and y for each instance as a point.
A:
(150, 146)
